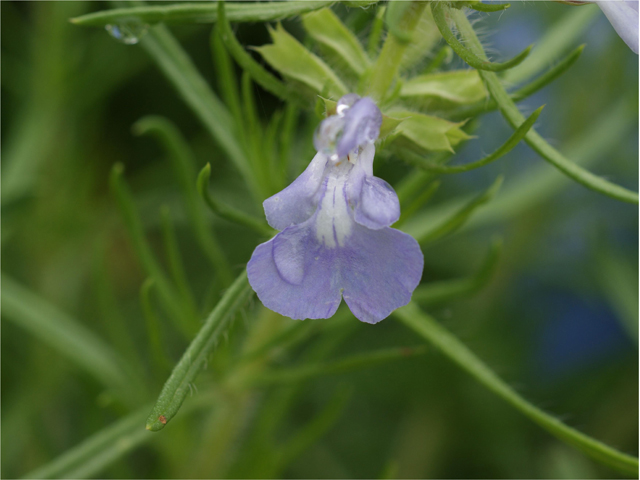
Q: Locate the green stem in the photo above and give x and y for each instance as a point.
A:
(388, 63)
(479, 62)
(511, 113)
(456, 351)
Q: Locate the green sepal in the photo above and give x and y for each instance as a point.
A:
(421, 132)
(456, 87)
(295, 62)
(325, 27)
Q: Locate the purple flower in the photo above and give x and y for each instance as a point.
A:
(623, 15)
(335, 241)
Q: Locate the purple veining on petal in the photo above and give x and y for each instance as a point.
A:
(298, 201)
(623, 15)
(376, 273)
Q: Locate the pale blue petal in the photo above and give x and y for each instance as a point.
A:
(623, 15)
(376, 271)
(362, 122)
(315, 294)
(296, 203)
(376, 204)
(379, 272)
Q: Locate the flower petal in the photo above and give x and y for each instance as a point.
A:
(362, 123)
(623, 15)
(296, 203)
(376, 204)
(315, 293)
(379, 272)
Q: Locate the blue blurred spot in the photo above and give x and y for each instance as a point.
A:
(578, 334)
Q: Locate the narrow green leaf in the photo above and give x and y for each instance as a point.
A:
(511, 113)
(258, 73)
(201, 13)
(562, 36)
(228, 213)
(183, 164)
(145, 256)
(373, 42)
(529, 89)
(99, 450)
(89, 458)
(479, 63)
(152, 322)
(456, 351)
(422, 132)
(448, 290)
(325, 27)
(295, 62)
(176, 388)
(176, 265)
(488, 7)
(428, 232)
(65, 335)
(505, 148)
(227, 81)
(353, 362)
(455, 87)
(180, 70)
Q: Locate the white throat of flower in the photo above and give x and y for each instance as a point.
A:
(333, 220)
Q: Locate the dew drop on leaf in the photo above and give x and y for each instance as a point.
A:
(128, 33)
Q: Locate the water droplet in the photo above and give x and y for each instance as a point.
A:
(128, 33)
(345, 102)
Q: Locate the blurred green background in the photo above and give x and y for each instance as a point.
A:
(558, 320)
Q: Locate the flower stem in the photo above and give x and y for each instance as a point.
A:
(387, 64)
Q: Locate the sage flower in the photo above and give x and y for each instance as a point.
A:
(335, 241)
(623, 16)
